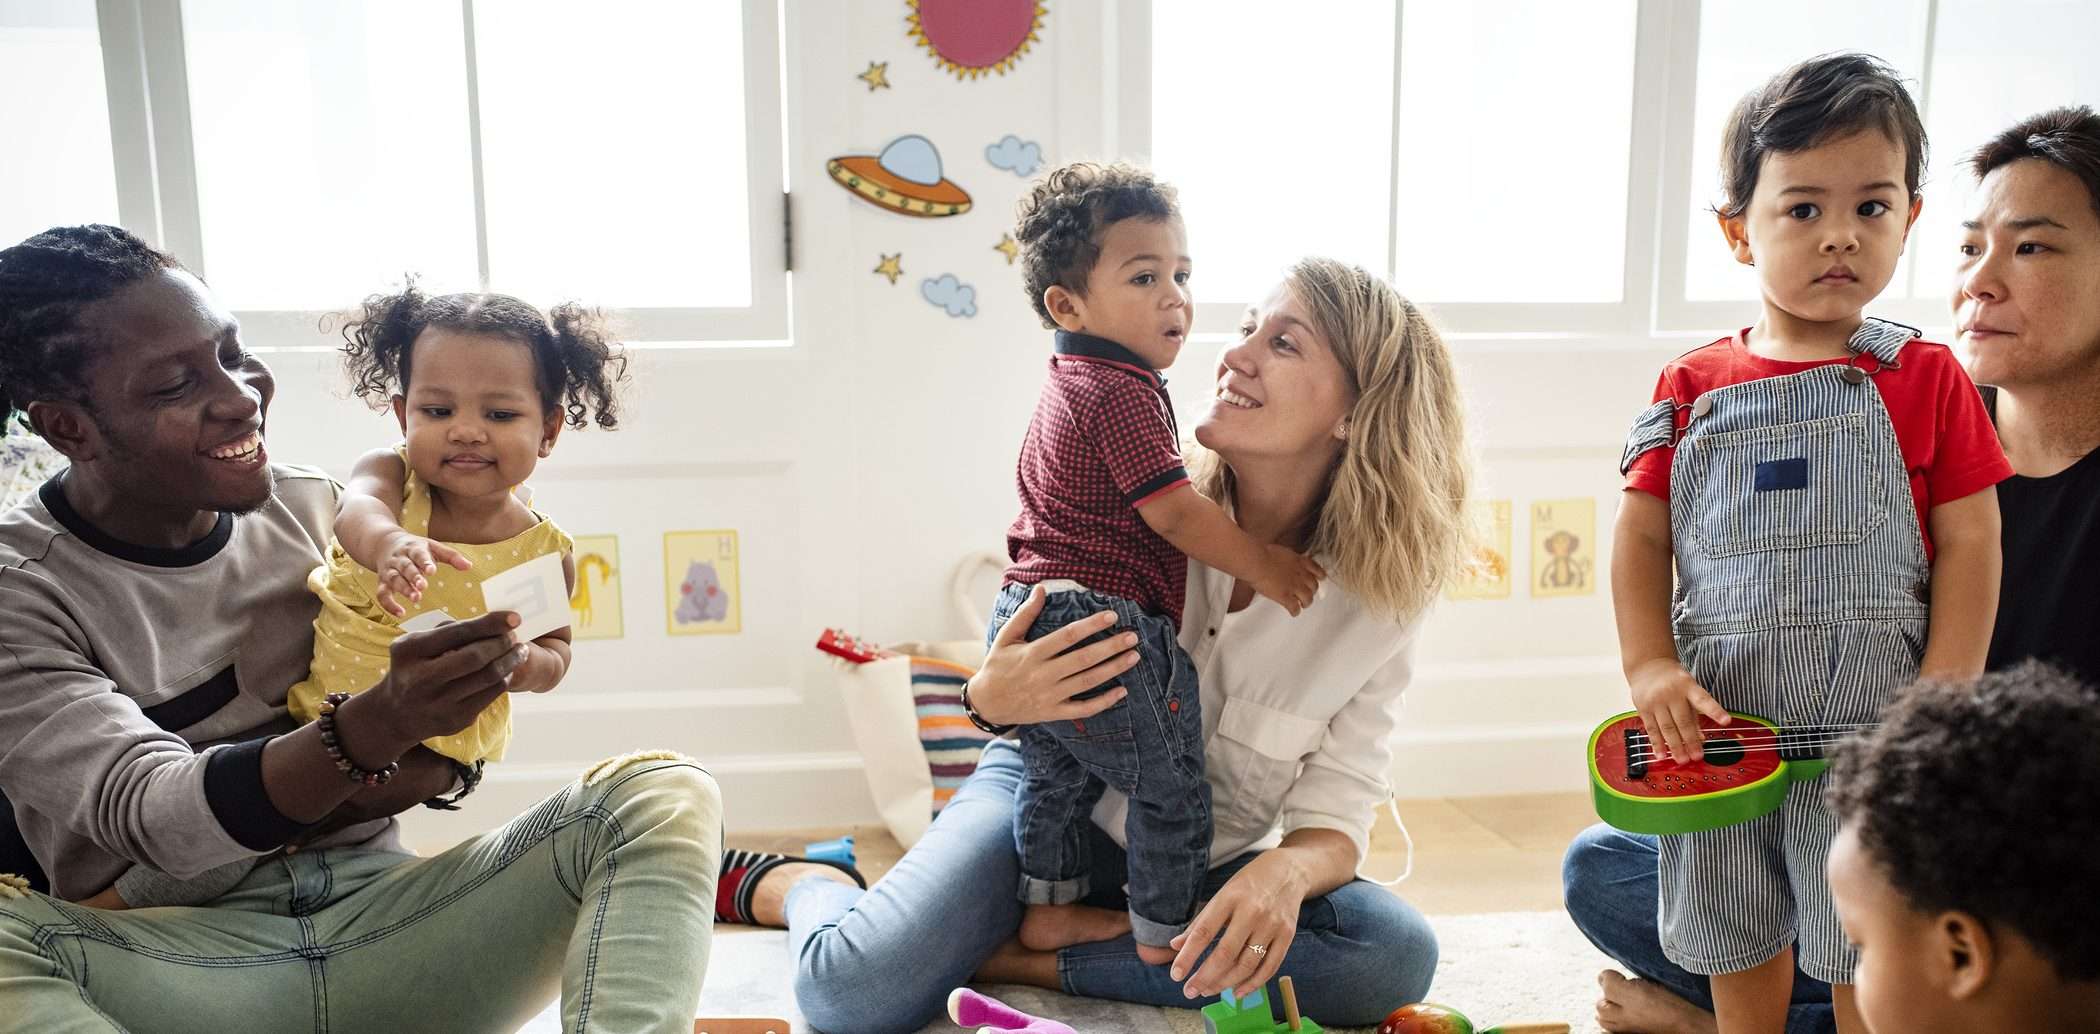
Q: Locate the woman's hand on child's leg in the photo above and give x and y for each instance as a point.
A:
(1670, 702)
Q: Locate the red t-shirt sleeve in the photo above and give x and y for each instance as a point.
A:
(1134, 435)
(1966, 457)
(1650, 471)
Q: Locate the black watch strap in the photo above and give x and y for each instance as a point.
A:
(469, 779)
(970, 711)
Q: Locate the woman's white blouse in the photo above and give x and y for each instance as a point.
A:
(1298, 713)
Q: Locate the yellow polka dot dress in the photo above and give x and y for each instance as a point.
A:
(353, 633)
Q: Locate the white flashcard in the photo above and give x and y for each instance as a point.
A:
(427, 620)
(536, 591)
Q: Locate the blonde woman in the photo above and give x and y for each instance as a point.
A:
(1335, 429)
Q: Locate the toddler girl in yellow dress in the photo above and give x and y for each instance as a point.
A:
(482, 385)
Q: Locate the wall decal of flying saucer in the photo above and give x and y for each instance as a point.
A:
(906, 177)
(972, 37)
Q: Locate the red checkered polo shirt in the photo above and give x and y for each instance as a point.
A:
(1102, 443)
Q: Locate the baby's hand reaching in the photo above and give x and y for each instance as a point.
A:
(408, 558)
(1670, 702)
(1290, 578)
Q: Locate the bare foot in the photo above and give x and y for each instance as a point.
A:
(769, 898)
(1631, 1006)
(1156, 954)
(1050, 927)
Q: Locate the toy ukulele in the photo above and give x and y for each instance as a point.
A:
(1747, 768)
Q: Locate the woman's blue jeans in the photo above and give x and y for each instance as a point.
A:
(885, 959)
(1609, 878)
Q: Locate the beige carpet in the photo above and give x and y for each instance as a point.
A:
(1501, 967)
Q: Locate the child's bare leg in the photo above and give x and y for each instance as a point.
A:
(1844, 1004)
(1050, 927)
(1754, 1000)
(1156, 954)
(1015, 963)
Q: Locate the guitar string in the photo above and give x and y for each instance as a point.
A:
(1752, 745)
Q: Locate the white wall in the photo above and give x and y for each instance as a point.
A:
(863, 461)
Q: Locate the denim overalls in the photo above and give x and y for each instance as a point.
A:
(1801, 598)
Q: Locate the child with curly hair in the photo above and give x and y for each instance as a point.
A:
(1108, 521)
(1966, 838)
(481, 385)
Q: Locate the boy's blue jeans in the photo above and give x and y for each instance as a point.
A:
(1149, 746)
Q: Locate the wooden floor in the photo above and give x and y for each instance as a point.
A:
(1472, 854)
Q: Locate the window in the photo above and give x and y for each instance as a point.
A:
(1992, 65)
(1274, 128)
(332, 149)
(616, 131)
(1515, 119)
(1278, 127)
(59, 168)
(1552, 166)
(303, 154)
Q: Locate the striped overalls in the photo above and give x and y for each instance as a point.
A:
(1801, 598)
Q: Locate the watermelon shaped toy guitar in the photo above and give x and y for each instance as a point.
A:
(1748, 766)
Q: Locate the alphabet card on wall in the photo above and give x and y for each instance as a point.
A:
(701, 591)
(1488, 576)
(595, 605)
(1564, 547)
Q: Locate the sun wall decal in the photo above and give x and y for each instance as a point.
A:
(972, 37)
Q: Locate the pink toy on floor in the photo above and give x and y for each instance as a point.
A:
(971, 1009)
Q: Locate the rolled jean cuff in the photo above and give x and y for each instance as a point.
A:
(1155, 935)
(1051, 892)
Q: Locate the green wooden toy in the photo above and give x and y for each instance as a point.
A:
(1250, 1015)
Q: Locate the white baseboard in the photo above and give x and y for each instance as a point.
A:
(1487, 761)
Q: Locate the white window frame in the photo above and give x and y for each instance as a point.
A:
(1631, 314)
(1652, 301)
(146, 73)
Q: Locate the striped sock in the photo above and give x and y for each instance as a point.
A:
(741, 873)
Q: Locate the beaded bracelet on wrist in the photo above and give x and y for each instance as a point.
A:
(334, 743)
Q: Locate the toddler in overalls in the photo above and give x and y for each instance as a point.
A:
(1107, 514)
(1825, 486)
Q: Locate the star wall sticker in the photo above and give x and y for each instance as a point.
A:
(891, 266)
(1007, 247)
(877, 76)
